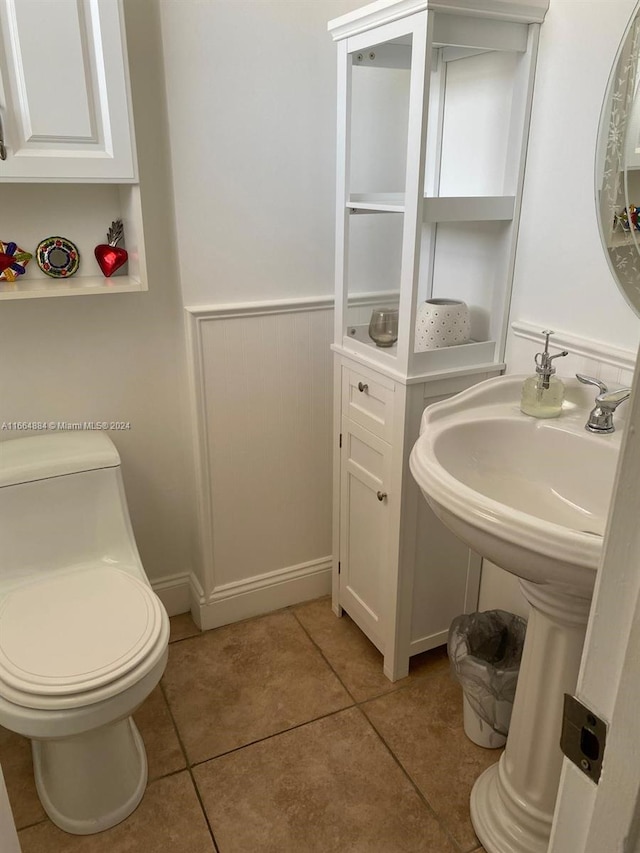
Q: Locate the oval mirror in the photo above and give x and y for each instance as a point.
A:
(618, 166)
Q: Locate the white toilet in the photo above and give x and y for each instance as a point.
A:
(83, 638)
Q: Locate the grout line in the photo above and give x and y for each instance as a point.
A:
(414, 785)
(355, 704)
(190, 637)
(44, 819)
(397, 685)
(323, 656)
(189, 768)
(274, 734)
(359, 704)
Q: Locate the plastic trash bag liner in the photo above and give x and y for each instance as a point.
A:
(485, 650)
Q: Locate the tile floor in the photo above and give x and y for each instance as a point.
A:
(282, 734)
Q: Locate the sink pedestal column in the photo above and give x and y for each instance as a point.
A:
(512, 803)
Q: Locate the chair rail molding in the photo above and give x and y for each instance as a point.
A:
(260, 395)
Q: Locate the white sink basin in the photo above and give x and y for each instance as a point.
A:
(531, 495)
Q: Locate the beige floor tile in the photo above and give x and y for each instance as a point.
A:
(327, 787)
(17, 768)
(164, 753)
(423, 727)
(169, 818)
(355, 659)
(182, 626)
(246, 681)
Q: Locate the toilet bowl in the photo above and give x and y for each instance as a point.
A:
(83, 637)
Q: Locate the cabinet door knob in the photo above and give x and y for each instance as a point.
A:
(362, 386)
(381, 496)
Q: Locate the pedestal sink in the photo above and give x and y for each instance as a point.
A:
(532, 496)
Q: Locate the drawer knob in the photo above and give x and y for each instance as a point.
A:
(362, 386)
(381, 496)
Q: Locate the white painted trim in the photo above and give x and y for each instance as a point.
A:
(256, 582)
(197, 397)
(386, 11)
(264, 593)
(176, 592)
(592, 818)
(595, 350)
(225, 311)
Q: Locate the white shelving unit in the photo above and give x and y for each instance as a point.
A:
(81, 212)
(68, 158)
(434, 98)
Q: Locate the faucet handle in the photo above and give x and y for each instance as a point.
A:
(591, 380)
(612, 399)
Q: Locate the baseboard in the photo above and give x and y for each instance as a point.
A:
(174, 592)
(265, 593)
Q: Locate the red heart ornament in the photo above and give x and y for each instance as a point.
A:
(110, 258)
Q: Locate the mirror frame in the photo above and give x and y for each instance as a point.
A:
(620, 233)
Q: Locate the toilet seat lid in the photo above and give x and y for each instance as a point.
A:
(75, 632)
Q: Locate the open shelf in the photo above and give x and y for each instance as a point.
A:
(377, 202)
(76, 286)
(468, 208)
(440, 208)
(357, 341)
(81, 213)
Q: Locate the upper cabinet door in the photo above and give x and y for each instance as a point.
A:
(64, 91)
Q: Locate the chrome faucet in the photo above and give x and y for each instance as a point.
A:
(601, 416)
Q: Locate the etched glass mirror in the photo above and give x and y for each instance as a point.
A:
(618, 167)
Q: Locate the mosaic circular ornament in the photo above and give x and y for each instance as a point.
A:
(13, 261)
(58, 257)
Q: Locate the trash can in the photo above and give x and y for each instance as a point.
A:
(485, 650)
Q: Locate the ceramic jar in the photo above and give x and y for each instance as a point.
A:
(442, 323)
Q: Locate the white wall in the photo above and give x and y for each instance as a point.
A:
(252, 142)
(119, 356)
(562, 279)
(251, 92)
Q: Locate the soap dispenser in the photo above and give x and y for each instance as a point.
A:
(543, 394)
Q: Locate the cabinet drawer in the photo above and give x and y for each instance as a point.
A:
(368, 402)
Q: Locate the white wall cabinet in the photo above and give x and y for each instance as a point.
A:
(64, 92)
(68, 140)
(434, 99)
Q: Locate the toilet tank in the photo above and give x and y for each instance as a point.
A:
(62, 505)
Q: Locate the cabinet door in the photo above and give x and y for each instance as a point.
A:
(64, 91)
(364, 527)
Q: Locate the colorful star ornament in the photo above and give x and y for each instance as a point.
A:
(13, 261)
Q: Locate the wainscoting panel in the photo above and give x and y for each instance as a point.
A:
(262, 396)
